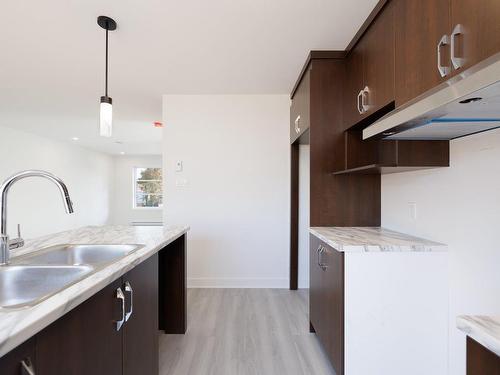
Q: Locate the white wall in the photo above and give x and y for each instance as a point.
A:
(123, 211)
(304, 190)
(459, 206)
(36, 203)
(235, 151)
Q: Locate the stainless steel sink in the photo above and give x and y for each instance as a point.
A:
(27, 285)
(78, 254)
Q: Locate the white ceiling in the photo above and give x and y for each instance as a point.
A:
(52, 64)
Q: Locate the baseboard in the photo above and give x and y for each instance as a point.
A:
(278, 283)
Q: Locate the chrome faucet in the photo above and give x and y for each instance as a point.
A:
(5, 243)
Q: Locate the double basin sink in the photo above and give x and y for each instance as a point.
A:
(31, 278)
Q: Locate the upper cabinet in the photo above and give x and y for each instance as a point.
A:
(436, 39)
(475, 33)
(299, 109)
(422, 46)
(370, 70)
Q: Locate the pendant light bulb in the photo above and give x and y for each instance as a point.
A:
(106, 117)
(106, 109)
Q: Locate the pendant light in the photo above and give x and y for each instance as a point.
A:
(106, 110)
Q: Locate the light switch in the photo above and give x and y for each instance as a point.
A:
(178, 166)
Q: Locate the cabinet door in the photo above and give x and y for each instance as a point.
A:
(353, 87)
(316, 313)
(419, 26)
(85, 340)
(140, 332)
(299, 110)
(377, 47)
(481, 361)
(326, 300)
(23, 356)
(480, 34)
(332, 262)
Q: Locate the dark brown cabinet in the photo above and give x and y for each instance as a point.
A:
(20, 360)
(475, 33)
(375, 156)
(420, 25)
(84, 341)
(326, 299)
(370, 70)
(300, 109)
(354, 84)
(481, 361)
(140, 332)
(378, 62)
(88, 339)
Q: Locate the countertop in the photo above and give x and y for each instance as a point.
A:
(483, 329)
(17, 325)
(373, 239)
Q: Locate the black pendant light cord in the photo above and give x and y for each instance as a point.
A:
(107, 24)
(106, 74)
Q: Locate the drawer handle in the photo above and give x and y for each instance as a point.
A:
(443, 70)
(297, 124)
(458, 62)
(364, 99)
(128, 289)
(120, 296)
(27, 367)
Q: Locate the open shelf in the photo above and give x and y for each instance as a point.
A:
(382, 169)
(378, 156)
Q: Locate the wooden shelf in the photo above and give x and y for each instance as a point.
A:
(382, 169)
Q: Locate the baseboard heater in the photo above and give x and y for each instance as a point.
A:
(147, 223)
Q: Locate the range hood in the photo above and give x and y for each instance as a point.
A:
(466, 104)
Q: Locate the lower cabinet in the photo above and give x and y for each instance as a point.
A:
(84, 341)
(481, 361)
(380, 312)
(19, 361)
(326, 295)
(90, 339)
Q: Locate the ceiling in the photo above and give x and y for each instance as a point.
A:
(52, 64)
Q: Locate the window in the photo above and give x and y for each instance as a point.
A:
(148, 188)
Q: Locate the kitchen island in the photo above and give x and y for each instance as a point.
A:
(158, 269)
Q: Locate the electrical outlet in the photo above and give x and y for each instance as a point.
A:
(412, 208)
(178, 166)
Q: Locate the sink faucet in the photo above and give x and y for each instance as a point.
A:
(5, 243)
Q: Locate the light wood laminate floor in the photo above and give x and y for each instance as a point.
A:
(245, 332)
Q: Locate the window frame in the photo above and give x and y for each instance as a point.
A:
(134, 189)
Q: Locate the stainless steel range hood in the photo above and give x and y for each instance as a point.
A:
(468, 103)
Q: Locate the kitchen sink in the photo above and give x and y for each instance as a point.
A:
(23, 285)
(78, 254)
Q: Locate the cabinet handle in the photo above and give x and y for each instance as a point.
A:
(318, 256)
(27, 367)
(360, 109)
(364, 96)
(322, 265)
(443, 70)
(297, 124)
(120, 296)
(457, 62)
(128, 289)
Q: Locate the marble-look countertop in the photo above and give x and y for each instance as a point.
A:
(483, 329)
(372, 239)
(18, 325)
